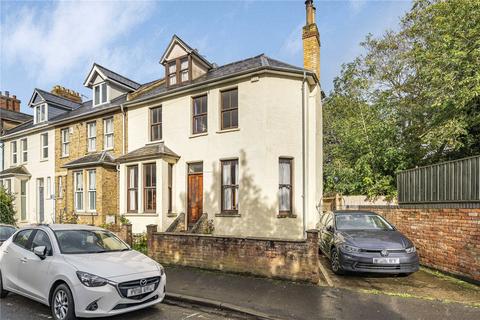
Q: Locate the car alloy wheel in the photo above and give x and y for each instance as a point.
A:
(60, 304)
(335, 262)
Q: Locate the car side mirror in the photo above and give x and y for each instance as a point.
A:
(330, 228)
(40, 251)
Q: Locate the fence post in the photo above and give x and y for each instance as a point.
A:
(127, 228)
(312, 251)
(151, 229)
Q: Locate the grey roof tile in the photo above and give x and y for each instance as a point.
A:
(58, 100)
(117, 77)
(155, 150)
(19, 170)
(15, 116)
(103, 158)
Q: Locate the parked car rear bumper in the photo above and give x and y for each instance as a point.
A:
(364, 263)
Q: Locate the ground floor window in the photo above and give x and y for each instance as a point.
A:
(150, 187)
(285, 185)
(229, 186)
(92, 190)
(78, 183)
(132, 188)
(23, 200)
(170, 189)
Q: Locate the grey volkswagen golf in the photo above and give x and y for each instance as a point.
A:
(363, 241)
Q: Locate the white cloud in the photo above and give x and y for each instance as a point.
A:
(293, 43)
(54, 40)
(357, 5)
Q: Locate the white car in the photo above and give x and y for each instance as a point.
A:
(79, 271)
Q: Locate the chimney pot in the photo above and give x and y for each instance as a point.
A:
(311, 41)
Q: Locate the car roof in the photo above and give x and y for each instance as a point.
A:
(359, 212)
(56, 227)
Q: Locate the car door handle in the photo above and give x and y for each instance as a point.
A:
(5, 251)
(24, 259)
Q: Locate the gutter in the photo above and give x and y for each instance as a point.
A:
(303, 154)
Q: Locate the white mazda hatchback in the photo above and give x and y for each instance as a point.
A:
(79, 271)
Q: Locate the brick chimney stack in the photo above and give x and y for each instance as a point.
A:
(8, 102)
(66, 93)
(311, 41)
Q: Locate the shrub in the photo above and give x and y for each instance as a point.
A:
(7, 212)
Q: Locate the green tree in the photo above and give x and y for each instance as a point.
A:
(412, 99)
(7, 212)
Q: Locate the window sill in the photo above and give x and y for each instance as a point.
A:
(147, 214)
(282, 215)
(154, 142)
(229, 215)
(108, 149)
(196, 135)
(43, 160)
(85, 213)
(172, 214)
(228, 130)
(64, 156)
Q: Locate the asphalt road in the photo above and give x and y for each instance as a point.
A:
(16, 307)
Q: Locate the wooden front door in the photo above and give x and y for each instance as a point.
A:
(195, 197)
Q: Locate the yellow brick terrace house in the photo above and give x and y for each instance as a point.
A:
(87, 141)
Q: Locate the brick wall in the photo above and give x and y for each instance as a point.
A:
(124, 232)
(446, 239)
(285, 259)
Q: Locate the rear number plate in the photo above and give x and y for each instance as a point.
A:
(386, 260)
(140, 290)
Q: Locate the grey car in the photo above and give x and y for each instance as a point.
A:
(363, 241)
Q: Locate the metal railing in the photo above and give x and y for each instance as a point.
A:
(448, 182)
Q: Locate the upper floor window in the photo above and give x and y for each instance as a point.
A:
(13, 149)
(156, 123)
(92, 136)
(65, 142)
(199, 114)
(108, 134)
(24, 145)
(178, 71)
(229, 109)
(100, 94)
(44, 146)
(41, 113)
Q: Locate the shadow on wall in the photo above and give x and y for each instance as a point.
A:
(258, 215)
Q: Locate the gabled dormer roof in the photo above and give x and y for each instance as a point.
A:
(109, 75)
(177, 41)
(53, 99)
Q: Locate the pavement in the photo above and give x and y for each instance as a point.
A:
(283, 300)
(15, 307)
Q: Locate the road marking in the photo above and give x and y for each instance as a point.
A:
(324, 272)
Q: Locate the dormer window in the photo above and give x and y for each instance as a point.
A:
(41, 113)
(178, 71)
(100, 94)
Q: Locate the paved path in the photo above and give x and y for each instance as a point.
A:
(287, 300)
(15, 307)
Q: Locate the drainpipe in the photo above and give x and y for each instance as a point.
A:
(123, 129)
(118, 165)
(303, 153)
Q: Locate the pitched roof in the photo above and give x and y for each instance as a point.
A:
(228, 70)
(19, 117)
(155, 150)
(54, 99)
(177, 39)
(14, 171)
(109, 74)
(103, 158)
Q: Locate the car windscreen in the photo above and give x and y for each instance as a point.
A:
(6, 232)
(346, 221)
(88, 241)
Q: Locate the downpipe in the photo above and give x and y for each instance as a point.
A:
(303, 155)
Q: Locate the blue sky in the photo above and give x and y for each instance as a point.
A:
(49, 43)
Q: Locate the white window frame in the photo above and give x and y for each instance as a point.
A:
(24, 147)
(7, 185)
(14, 154)
(43, 147)
(102, 94)
(92, 139)
(65, 141)
(49, 188)
(60, 187)
(106, 134)
(77, 191)
(91, 192)
(41, 113)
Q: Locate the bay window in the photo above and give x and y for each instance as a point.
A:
(132, 189)
(92, 190)
(149, 187)
(78, 185)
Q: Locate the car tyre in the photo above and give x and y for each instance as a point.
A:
(404, 274)
(3, 293)
(61, 304)
(335, 262)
